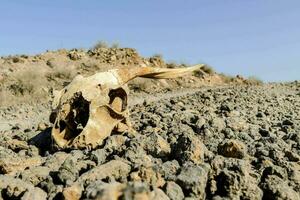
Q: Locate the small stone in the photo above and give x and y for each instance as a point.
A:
(232, 148)
(68, 172)
(115, 169)
(137, 190)
(159, 194)
(102, 190)
(35, 175)
(264, 132)
(260, 115)
(114, 142)
(13, 188)
(218, 124)
(150, 175)
(157, 146)
(72, 193)
(174, 191)
(169, 169)
(42, 126)
(99, 156)
(287, 122)
(189, 148)
(193, 178)
(226, 107)
(237, 124)
(293, 157)
(274, 186)
(274, 170)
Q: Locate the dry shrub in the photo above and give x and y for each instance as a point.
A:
(100, 44)
(27, 81)
(198, 73)
(227, 78)
(66, 72)
(172, 65)
(254, 80)
(23, 86)
(32, 84)
(208, 69)
(158, 55)
(115, 45)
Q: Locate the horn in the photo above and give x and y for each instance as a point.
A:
(127, 74)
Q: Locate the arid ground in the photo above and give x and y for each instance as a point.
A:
(202, 136)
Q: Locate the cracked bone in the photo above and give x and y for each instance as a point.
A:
(89, 109)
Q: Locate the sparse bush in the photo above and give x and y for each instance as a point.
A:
(50, 63)
(254, 80)
(100, 44)
(227, 78)
(157, 55)
(172, 65)
(67, 73)
(27, 81)
(208, 69)
(115, 45)
(16, 59)
(198, 73)
(24, 56)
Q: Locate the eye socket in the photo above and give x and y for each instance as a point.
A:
(80, 112)
(118, 99)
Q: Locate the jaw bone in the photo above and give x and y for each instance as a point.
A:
(90, 108)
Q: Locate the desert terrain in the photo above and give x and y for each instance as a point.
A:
(202, 136)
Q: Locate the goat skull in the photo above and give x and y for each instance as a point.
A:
(90, 108)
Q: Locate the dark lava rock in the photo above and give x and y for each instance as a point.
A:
(287, 122)
(276, 188)
(169, 169)
(13, 188)
(68, 173)
(174, 191)
(232, 148)
(228, 142)
(193, 179)
(189, 148)
(233, 179)
(157, 146)
(99, 156)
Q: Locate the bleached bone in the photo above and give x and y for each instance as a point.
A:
(90, 108)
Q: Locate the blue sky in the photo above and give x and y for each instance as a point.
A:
(249, 37)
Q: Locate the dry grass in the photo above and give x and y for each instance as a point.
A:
(28, 81)
(66, 72)
(24, 85)
(31, 84)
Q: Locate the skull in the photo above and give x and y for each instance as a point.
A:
(89, 109)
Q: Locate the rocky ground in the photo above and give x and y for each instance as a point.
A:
(219, 142)
(203, 136)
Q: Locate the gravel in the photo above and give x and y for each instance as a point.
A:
(230, 142)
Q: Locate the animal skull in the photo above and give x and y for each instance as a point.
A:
(90, 108)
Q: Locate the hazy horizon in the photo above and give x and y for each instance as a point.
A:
(253, 38)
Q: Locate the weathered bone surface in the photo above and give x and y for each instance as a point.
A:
(90, 108)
